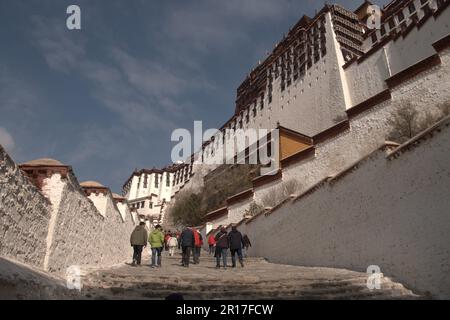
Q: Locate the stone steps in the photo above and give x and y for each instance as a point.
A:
(258, 280)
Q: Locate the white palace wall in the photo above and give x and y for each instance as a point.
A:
(391, 212)
(388, 212)
(24, 215)
(367, 78)
(59, 226)
(368, 130)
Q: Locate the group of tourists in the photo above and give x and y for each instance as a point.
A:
(190, 241)
(233, 241)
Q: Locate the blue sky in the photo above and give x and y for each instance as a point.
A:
(105, 99)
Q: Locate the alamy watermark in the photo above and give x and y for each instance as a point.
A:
(374, 278)
(249, 146)
(73, 278)
(73, 21)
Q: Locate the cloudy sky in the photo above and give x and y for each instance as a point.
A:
(106, 98)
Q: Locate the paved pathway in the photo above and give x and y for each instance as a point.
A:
(257, 280)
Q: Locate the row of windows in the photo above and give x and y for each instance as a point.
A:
(141, 205)
(400, 19)
(179, 177)
(145, 185)
(290, 66)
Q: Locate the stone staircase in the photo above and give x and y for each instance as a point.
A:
(259, 279)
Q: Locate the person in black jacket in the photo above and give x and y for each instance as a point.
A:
(187, 244)
(247, 244)
(236, 243)
(222, 246)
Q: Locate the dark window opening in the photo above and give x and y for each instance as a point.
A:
(374, 37)
(391, 24)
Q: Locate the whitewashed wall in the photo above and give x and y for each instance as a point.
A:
(59, 226)
(367, 78)
(368, 131)
(24, 215)
(391, 213)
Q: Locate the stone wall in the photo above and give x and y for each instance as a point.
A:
(83, 235)
(58, 226)
(24, 215)
(391, 212)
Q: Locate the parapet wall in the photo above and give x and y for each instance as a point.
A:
(24, 215)
(387, 211)
(59, 226)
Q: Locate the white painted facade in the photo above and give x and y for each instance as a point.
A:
(149, 191)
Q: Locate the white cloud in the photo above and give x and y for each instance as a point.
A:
(63, 48)
(6, 140)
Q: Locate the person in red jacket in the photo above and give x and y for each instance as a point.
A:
(211, 243)
(197, 245)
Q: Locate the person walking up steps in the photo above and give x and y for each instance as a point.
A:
(236, 243)
(222, 245)
(198, 242)
(173, 243)
(187, 243)
(138, 240)
(211, 243)
(156, 240)
(247, 244)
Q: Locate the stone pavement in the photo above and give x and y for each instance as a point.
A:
(259, 279)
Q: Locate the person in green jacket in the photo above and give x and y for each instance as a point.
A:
(156, 239)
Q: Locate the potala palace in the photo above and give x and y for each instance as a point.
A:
(330, 87)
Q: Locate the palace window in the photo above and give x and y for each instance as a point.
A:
(391, 24)
(142, 204)
(382, 30)
(374, 37)
(269, 149)
(247, 118)
(254, 111)
(145, 181)
(426, 9)
(401, 16)
(167, 179)
(412, 8)
(156, 181)
(150, 205)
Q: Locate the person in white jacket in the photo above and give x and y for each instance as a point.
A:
(173, 243)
